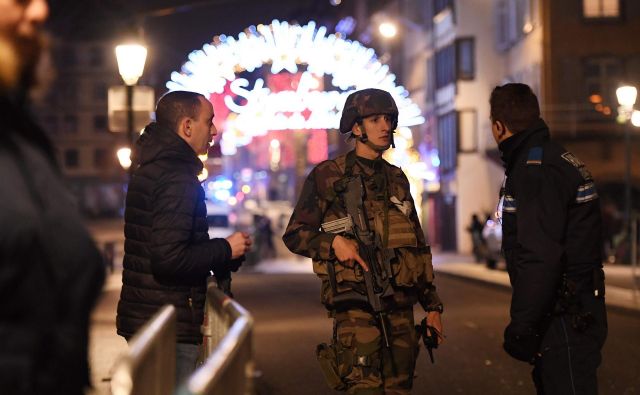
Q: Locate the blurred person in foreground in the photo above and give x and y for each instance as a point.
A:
(168, 253)
(551, 226)
(358, 360)
(51, 273)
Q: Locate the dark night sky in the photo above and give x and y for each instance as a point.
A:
(170, 38)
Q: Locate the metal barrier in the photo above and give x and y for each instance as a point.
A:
(228, 367)
(148, 367)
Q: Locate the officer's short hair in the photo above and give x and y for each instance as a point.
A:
(515, 105)
(176, 105)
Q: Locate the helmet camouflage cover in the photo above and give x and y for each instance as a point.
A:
(366, 102)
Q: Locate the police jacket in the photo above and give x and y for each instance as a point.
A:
(319, 202)
(168, 254)
(551, 224)
(51, 273)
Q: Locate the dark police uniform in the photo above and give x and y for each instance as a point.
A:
(551, 225)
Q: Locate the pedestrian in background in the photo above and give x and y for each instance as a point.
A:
(477, 240)
(51, 273)
(552, 238)
(168, 253)
(358, 361)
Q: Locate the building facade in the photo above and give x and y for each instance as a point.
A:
(574, 54)
(74, 113)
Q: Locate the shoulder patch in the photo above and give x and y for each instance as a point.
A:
(535, 156)
(586, 193)
(577, 163)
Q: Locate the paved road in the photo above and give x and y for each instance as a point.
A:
(290, 322)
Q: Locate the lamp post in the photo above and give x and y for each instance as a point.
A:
(627, 98)
(131, 58)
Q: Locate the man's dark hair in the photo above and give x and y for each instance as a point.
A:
(515, 105)
(176, 105)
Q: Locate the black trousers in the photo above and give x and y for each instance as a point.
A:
(570, 358)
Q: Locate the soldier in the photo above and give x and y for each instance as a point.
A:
(358, 360)
(551, 230)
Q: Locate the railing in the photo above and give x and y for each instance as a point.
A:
(148, 367)
(228, 367)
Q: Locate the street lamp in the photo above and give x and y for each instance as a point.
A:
(124, 157)
(627, 99)
(388, 29)
(131, 59)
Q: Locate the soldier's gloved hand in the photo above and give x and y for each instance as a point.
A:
(521, 343)
(346, 251)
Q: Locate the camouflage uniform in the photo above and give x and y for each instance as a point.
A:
(363, 364)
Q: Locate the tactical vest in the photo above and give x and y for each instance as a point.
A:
(389, 208)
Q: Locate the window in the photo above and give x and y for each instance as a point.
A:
(65, 57)
(96, 58)
(514, 20)
(100, 123)
(445, 66)
(601, 9)
(441, 5)
(50, 124)
(431, 78)
(70, 124)
(601, 77)
(100, 91)
(100, 159)
(71, 159)
(468, 132)
(447, 141)
(419, 12)
(465, 58)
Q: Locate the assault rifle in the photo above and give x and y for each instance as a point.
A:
(378, 278)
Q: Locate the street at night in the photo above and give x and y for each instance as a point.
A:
(192, 183)
(290, 322)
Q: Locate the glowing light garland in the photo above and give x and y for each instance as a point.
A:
(351, 66)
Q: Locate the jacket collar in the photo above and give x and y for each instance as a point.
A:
(510, 148)
(159, 142)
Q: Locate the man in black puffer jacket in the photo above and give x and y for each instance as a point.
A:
(168, 253)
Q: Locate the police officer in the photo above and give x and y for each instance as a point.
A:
(358, 360)
(551, 230)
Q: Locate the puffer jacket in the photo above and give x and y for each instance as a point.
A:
(168, 253)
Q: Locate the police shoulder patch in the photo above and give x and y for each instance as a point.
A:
(534, 157)
(577, 163)
(586, 193)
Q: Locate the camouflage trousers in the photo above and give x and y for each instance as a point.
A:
(365, 364)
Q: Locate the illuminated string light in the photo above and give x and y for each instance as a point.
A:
(285, 47)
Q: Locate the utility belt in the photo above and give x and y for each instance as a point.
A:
(591, 282)
(571, 294)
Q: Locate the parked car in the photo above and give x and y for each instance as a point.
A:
(218, 220)
(492, 234)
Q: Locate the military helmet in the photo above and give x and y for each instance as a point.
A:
(366, 102)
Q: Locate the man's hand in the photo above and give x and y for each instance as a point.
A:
(346, 251)
(240, 243)
(434, 319)
(522, 343)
